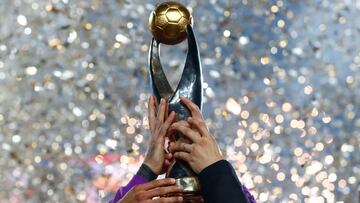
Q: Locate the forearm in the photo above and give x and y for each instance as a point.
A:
(219, 184)
(143, 175)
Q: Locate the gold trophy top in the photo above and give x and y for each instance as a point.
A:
(168, 22)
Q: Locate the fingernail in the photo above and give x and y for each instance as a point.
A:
(162, 100)
(180, 198)
(190, 118)
(172, 180)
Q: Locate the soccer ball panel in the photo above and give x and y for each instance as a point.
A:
(184, 12)
(161, 21)
(183, 22)
(173, 15)
(172, 30)
(162, 9)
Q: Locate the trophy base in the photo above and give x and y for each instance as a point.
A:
(191, 186)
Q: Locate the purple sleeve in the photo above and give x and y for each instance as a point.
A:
(136, 180)
(248, 195)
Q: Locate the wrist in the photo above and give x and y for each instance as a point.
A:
(151, 165)
(146, 172)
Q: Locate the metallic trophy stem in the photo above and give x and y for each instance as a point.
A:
(190, 86)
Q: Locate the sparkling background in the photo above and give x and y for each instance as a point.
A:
(281, 95)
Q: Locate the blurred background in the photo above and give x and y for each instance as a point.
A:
(281, 88)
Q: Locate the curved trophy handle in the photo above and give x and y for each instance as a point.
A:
(190, 84)
(160, 84)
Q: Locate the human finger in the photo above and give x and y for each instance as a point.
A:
(175, 199)
(167, 160)
(194, 109)
(166, 115)
(151, 112)
(167, 123)
(168, 156)
(180, 146)
(181, 122)
(185, 130)
(161, 110)
(183, 156)
(200, 125)
(161, 191)
(166, 164)
(157, 183)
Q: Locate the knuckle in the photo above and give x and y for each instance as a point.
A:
(157, 183)
(194, 121)
(197, 122)
(160, 182)
(201, 123)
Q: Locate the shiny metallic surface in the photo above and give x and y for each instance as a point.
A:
(189, 184)
(168, 22)
(191, 189)
(190, 86)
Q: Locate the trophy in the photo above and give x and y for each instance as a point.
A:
(171, 23)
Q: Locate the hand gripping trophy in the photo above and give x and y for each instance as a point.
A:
(171, 23)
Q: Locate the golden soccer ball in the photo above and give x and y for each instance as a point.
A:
(168, 22)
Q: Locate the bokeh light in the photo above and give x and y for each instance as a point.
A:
(281, 92)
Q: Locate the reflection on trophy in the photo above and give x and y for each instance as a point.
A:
(170, 23)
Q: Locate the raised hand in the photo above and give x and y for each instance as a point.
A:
(204, 150)
(159, 123)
